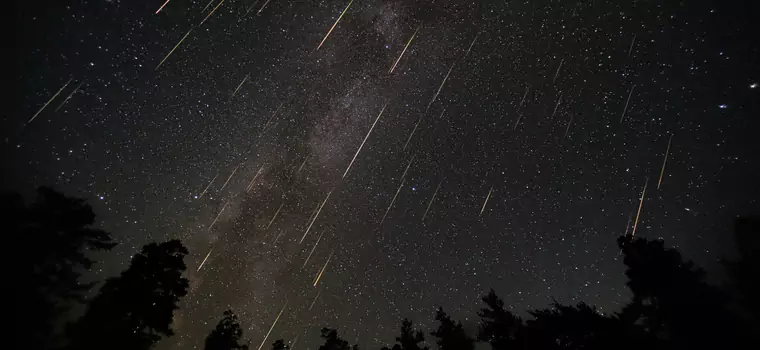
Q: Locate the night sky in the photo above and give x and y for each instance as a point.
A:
(529, 129)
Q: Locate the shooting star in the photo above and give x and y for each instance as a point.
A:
(568, 125)
(519, 116)
(527, 88)
(302, 164)
(275, 215)
(630, 49)
(211, 13)
(335, 24)
(295, 340)
(486, 201)
(316, 280)
(626, 103)
(471, 44)
(250, 185)
(413, 130)
(628, 224)
(273, 324)
(207, 187)
(262, 8)
(315, 217)
(207, 5)
(559, 99)
(440, 87)
(162, 6)
(272, 117)
(667, 151)
(312, 305)
(365, 140)
(175, 47)
(403, 51)
(312, 250)
(48, 102)
(558, 68)
(403, 176)
(641, 203)
(204, 259)
(218, 215)
(239, 85)
(431, 200)
(69, 96)
(230, 177)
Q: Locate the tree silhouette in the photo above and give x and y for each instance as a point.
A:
(279, 344)
(55, 234)
(498, 326)
(133, 310)
(745, 271)
(226, 335)
(409, 338)
(333, 342)
(450, 334)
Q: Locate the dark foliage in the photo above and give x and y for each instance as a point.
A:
(409, 338)
(133, 310)
(498, 326)
(55, 235)
(227, 334)
(450, 334)
(333, 342)
(279, 344)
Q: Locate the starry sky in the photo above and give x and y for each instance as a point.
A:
(513, 139)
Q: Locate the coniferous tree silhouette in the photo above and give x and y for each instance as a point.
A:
(409, 339)
(133, 310)
(227, 334)
(279, 344)
(55, 234)
(498, 326)
(333, 342)
(450, 334)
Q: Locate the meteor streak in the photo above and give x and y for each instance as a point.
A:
(519, 116)
(667, 151)
(250, 185)
(471, 44)
(626, 103)
(302, 164)
(403, 176)
(558, 68)
(162, 6)
(413, 130)
(211, 13)
(568, 125)
(628, 224)
(312, 250)
(239, 85)
(486, 201)
(175, 47)
(218, 215)
(312, 305)
(559, 99)
(431, 200)
(230, 177)
(316, 280)
(69, 96)
(262, 7)
(207, 5)
(48, 102)
(630, 49)
(275, 215)
(272, 117)
(207, 187)
(273, 324)
(641, 203)
(402, 52)
(315, 217)
(440, 87)
(295, 340)
(204, 259)
(335, 24)
(527, 88)
(365, 140)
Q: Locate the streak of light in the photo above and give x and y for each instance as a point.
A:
(209, 185)
(630, 49)
(403, 51)
(218, 215)
(275, 215)
(313, 249)
(407, 167)
(335, 24)
(568, 125)
(519, 116)
(162, 6)
(313, 302)
(471, 44)
(302, 164)
(400, 185)
(641, 203)
(527, 88)
(48, 102)
(431, 200)
(315, 216)
(558, 68)
(250, 185)
(262, 7)
(207, 5)
(363, 141)
(486, 201)
(273, 115)
(293, 344)
(69, 96)
(239, 85)
(278, 237)
(273, 324)
(230, 177)
(413, 130)
(175, 47)
(316, 280)
(204, 259)
(628, 224)
(211, 13)
(248, 10)
(667, 151)
(626, 103)
(440, 87)
(559, 99)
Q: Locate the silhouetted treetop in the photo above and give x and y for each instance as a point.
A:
(279, 344)
(409, 338)
(227, 335)
(333, 342)
(450, 334)
(498, 326)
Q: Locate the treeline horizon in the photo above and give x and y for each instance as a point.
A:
(672, 306)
